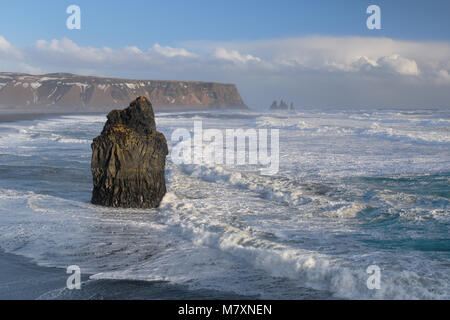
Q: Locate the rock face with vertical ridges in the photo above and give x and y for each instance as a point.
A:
(69, 92)
(128, 159)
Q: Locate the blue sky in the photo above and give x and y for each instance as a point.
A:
(143, 22)
(314, 52)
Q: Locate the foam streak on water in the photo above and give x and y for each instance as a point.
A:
(355, 188)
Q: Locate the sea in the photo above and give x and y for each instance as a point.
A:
(359, 209)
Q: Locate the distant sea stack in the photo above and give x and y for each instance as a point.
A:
(62, 91)
(128, 159)
(282, 106)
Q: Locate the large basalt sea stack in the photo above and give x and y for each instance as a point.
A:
(128, 159)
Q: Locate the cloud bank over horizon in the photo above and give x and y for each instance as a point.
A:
(310, 71)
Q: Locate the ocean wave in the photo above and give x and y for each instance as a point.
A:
(441, 136)
(318, 224)
(286, 191)
(344, 279)
(69, 140)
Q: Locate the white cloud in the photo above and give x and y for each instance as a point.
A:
(340, 54)
(67, 50)
(133, 50)
(9, 51)
(4, 44)
(313, 70)
(172, 52)
(321, 54)
(235, 56)
(389, 64)
(399, 64)
(444, 76)
(25, 68)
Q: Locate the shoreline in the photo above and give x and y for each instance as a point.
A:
(23, 279)
(20, 278)
(15, 116)
(7, 116)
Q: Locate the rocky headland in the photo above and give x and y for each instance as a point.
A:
(69, 92)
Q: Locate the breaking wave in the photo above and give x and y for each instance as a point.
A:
(348, 195)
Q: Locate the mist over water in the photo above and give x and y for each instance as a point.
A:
(354, 189)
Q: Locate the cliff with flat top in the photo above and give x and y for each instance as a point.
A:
(69, 92)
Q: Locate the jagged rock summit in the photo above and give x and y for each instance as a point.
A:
(282, 106)
(128, 159)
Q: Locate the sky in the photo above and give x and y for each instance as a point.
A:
(314, 53)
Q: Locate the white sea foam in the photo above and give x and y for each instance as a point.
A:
(442, 135)
(314, 225)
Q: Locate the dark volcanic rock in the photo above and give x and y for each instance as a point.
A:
(128, 159)
(282, 106)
